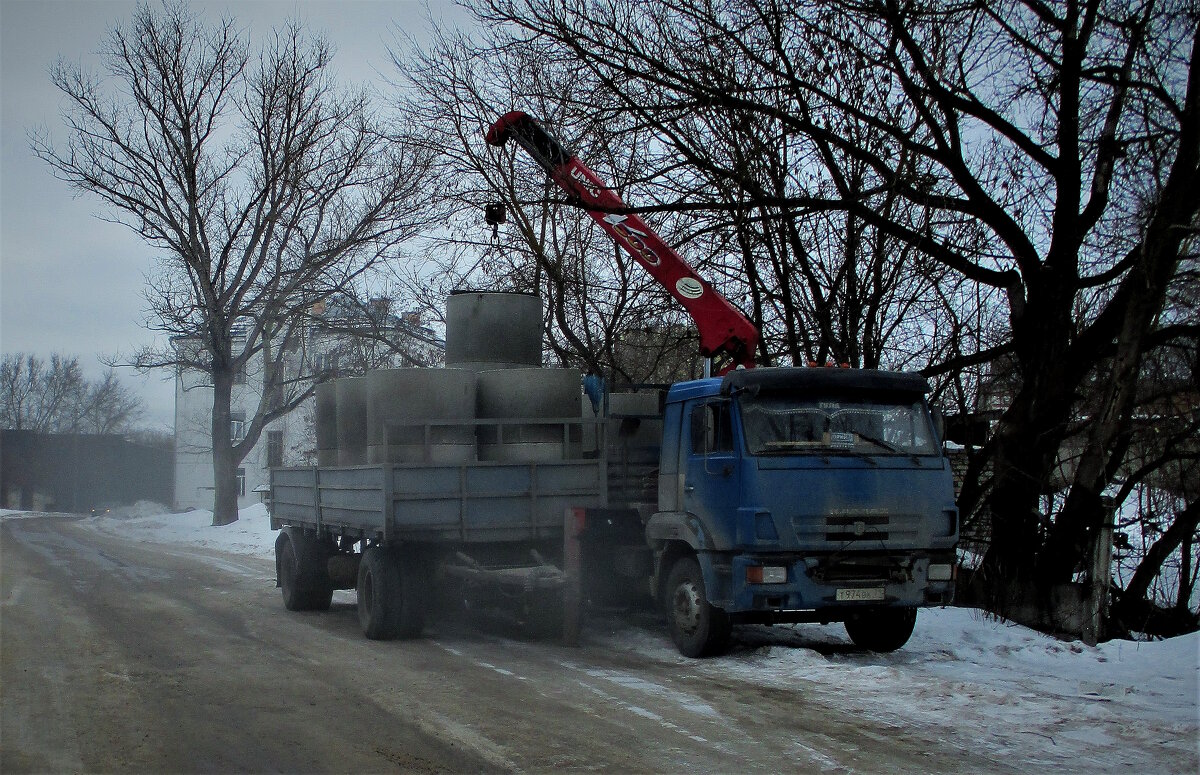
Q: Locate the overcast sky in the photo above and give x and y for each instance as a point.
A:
(70, 282)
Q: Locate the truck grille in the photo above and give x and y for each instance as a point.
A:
(856, 528)
(847, 528)
(860, 569)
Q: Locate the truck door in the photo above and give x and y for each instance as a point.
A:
(711, 486)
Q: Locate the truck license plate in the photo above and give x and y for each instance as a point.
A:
(858, 595)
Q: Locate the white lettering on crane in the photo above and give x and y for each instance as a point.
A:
(580, 177)
(633, 237)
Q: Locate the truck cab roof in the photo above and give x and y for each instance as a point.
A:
(801, 380)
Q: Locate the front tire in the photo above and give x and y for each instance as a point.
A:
(881, 629)
(698, 628)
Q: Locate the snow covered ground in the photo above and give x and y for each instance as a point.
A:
(1020, 695)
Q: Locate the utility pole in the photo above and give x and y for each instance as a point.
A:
(1099, 577)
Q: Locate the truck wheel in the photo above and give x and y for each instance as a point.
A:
(413, 591)
(301, 576)
(320, 599)
(542, 614)
(881, 629)
(294, 598)
(379, 594)
(698, 628)
(390, 602)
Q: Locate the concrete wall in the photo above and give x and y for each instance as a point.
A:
(79, 472)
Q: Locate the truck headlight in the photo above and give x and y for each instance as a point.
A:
(940, 572)
(766, 574)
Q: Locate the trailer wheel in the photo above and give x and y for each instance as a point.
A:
(542, 614)
(698, 628)
(320, 599)
(413, 595)
(294, 598)
(881, 629)
(390, 603)
(301, 575)
(378, 594)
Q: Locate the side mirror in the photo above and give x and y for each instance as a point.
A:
(939, 424)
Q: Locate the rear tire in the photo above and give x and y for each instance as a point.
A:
(302, 575)
(294, 598)
(413, 595)
(321, 599)
(390, 599)
(542, 614)
(698, 628)
(881, 629)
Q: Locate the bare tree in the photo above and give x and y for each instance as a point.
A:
(55, 397)
(1045, 152)
(1158, 483)
(597, 302)
(263, 187)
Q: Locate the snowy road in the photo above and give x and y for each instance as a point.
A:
(137, 650)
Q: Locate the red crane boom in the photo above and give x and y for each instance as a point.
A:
(724, 330)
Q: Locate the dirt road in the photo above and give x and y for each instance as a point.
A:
(119, 657)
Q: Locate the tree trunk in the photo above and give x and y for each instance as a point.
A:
(225, 492)
(1183, 600)
(1027, 440)
(1012, 503)
(1145, 290)
(1081, 515)
(1180, 531)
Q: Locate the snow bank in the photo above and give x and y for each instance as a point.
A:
(6, 514)
(251, 535)
(998, 687)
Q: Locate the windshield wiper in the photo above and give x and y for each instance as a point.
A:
(890, 447)
(879, 442)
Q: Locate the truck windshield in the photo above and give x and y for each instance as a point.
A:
(784, 425)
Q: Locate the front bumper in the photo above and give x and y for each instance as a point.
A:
(830, 582)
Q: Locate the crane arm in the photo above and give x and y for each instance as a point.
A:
(723, 329)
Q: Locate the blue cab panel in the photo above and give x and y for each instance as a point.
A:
(833, 479)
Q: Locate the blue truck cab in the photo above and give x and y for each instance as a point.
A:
(801, 494)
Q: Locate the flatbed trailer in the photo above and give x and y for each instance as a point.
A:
(461, 504)
(432, 534)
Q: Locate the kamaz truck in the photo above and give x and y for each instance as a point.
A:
(801, 495)
(774, 494)
(783, 495)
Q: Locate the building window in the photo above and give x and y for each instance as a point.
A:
(239, 375)
(274, 449)
(237, 426)
(325, 362)
(241, 482)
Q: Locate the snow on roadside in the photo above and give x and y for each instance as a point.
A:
(1000, 687)
(250, 536)
(1023, 697)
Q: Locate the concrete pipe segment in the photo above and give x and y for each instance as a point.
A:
(326, 407)
(487, 330)
(635, 427)
(401, 401)
(351, 396)
(526, 393)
